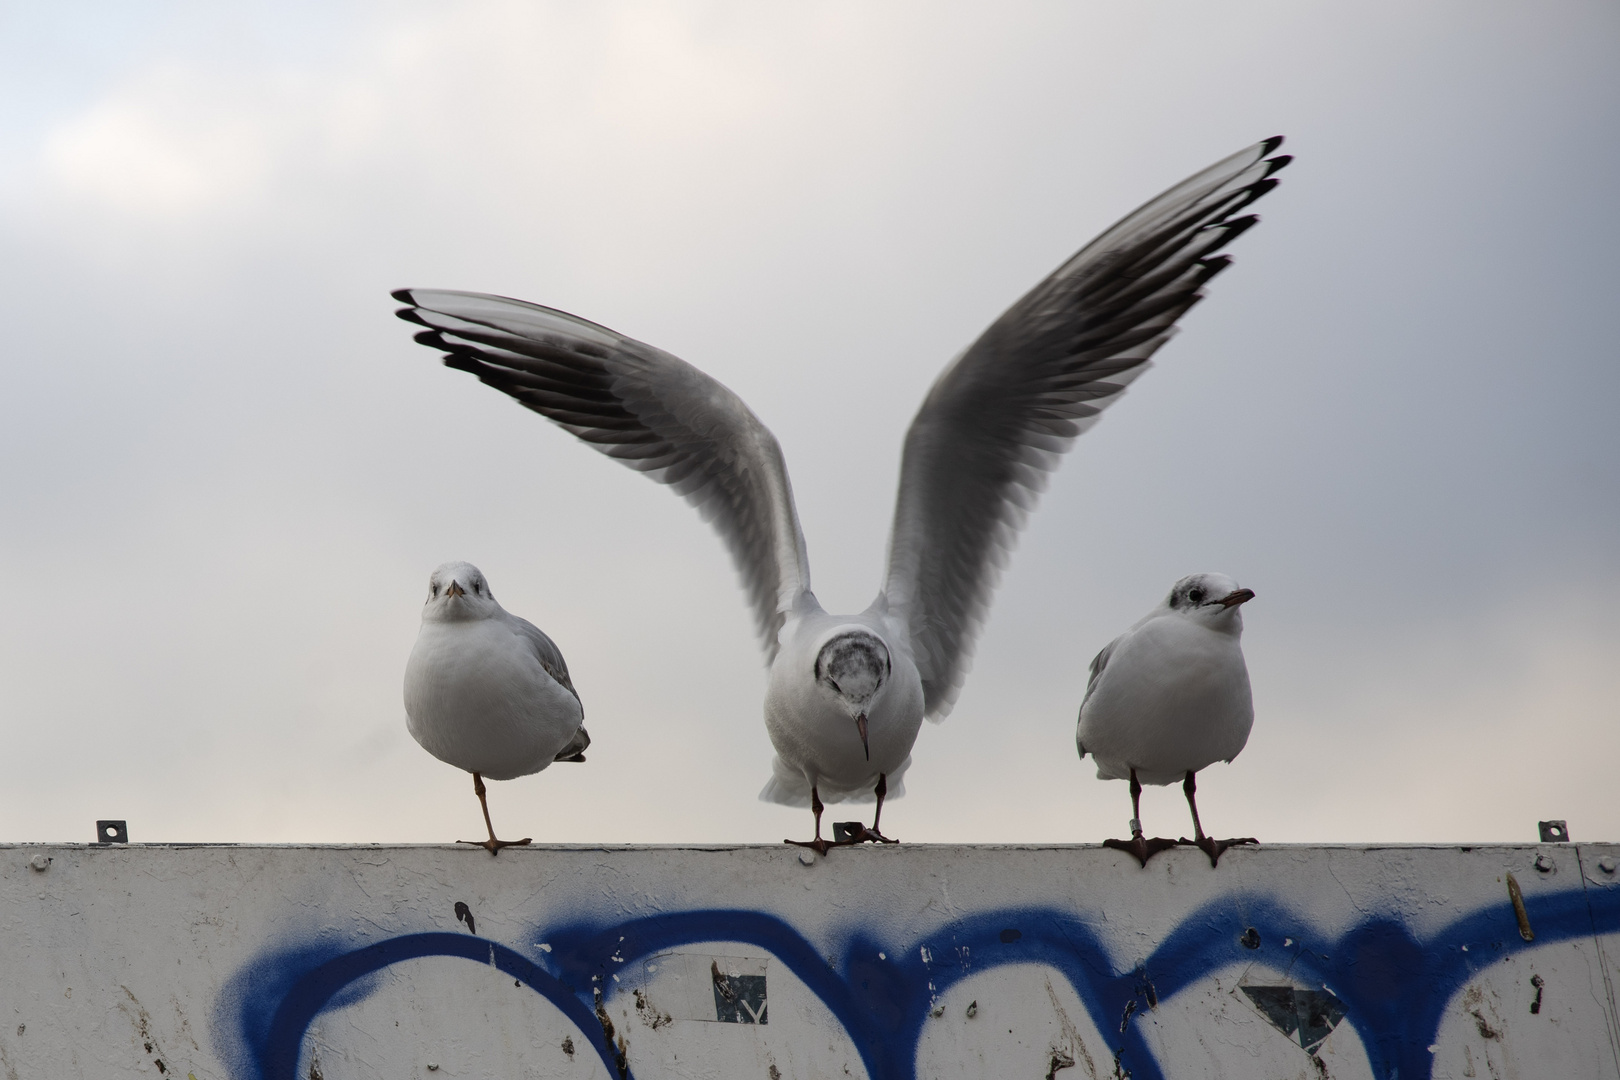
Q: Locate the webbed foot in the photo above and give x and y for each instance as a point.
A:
(1216, 848)
(856, 832)
(1141, 846)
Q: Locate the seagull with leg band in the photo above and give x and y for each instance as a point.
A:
(1168, 697)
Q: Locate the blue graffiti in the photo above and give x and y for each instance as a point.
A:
(1394, 986)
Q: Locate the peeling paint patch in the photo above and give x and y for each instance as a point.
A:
(619, 1048)
(1305, 1016)
(649, 1013)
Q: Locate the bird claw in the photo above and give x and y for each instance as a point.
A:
(1141, 847)
(493, 846)
(818, 845)
(1216, 848)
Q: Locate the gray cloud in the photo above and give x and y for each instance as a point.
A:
(227, 471)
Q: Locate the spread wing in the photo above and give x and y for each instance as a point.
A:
(1000, 417)
(646, 408)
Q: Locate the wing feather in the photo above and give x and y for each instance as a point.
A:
(654, 412)
(546, 651)
(1000, 417)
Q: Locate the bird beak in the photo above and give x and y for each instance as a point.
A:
(455, 589)
(860, 725)
(1241, 596)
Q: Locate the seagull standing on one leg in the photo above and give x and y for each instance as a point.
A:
(486, 691)
(847, 693)
(1168, 697)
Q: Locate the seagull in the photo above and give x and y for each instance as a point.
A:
(486, 691)
(1169, 697)
(847, 694)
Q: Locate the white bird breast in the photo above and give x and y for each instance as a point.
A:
(1173, 697)
(813, 732)
(477, 698)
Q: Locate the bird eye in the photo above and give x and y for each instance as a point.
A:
(1195, 595)
(435, 590)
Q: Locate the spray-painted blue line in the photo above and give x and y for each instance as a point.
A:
(315, 989)
(1394, 986)
(582, 951)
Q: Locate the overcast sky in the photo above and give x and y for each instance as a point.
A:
(226, 471)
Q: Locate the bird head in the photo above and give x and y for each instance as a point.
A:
(1212, 600)
(457, 591)
(853, 665)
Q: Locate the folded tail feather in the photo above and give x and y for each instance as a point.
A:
(575, 750)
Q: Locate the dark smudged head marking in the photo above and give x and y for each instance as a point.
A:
(853, 665)
(1206, 590)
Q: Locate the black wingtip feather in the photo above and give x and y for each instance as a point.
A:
(1271, 144)
(1255, 192)
(1278, 163)
(403, 296)
(1238, 226)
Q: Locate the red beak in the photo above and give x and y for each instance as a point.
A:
(1241, 596)
(860, 725)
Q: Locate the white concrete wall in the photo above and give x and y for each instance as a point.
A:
(1006, 962)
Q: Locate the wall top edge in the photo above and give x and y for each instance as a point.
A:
(759, 848)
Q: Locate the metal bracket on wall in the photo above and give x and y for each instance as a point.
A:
(112, 832)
